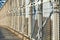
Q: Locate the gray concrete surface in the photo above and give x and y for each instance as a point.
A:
(7, 35)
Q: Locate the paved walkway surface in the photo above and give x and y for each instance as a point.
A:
(7, 35)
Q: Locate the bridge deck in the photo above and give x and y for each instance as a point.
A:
(7, 35)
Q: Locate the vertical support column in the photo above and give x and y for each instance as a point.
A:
(14, 16)
(13, 19)
(23, 15)
(11, 12)
(59, 20)
(18, 8)
(20, 17)
(59, 25)
(29, 21)
(40, 16)
(15, 12)
(55, 28)
(40, 26)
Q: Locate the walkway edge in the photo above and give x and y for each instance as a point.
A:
(22, 36)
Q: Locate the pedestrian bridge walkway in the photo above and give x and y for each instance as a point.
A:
(7, 35)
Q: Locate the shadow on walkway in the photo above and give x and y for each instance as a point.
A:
(7, 35)
(1, 34)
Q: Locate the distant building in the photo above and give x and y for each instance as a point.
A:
(47, 30)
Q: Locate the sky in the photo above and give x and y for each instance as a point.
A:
(47, 9)
(2, 3)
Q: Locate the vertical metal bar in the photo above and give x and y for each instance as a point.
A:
(20, 17)
(18, 13)
(59, 20)
(30, 21)
(23, 15)
(13, 16)
(40, 16)
(55, 21)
